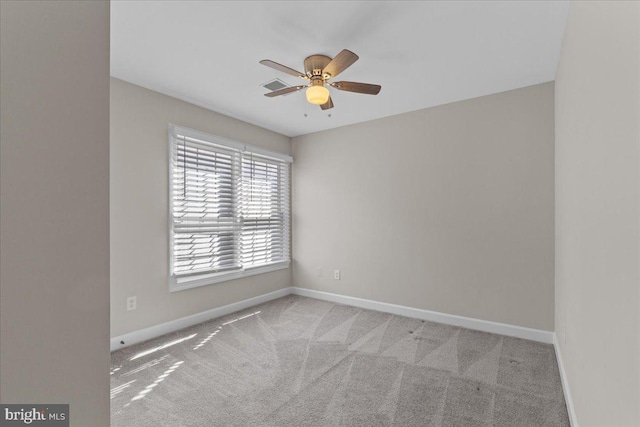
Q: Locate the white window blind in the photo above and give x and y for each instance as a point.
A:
(265, 210)
(229, 209)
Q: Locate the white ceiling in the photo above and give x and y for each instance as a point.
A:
(422, 53)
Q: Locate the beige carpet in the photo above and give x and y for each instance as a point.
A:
(298, 361)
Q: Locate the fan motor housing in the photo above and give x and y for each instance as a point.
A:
(314, 64)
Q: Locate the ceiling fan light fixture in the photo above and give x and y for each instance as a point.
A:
(318, 69)
(317, 94)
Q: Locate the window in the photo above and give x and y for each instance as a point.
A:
(229, 209)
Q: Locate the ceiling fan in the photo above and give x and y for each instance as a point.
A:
(318, 69)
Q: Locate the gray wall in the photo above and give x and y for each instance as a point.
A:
(54, 217)
(447, 209)
(598, 211)
(139, 208)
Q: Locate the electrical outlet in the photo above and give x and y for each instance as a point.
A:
(319, 272)
(336, 274)
(131, 303)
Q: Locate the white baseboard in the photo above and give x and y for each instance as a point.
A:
(135, 337)
(433, 316)
(571, 410)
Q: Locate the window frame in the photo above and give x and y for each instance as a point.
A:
(179, 283)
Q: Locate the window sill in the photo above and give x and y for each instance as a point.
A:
(182, 283)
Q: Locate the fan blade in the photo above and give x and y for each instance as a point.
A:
(366, 88)
(284, 91)
(341, 62)
(327, 105)
(282, 68)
